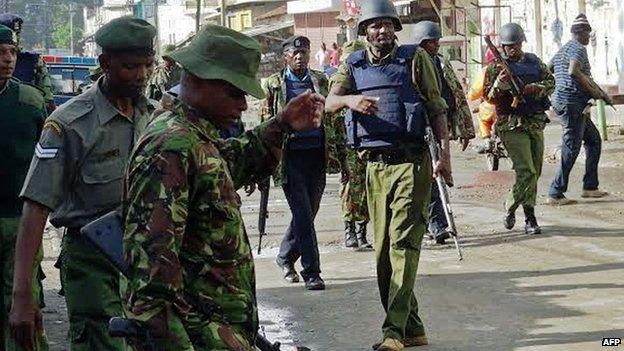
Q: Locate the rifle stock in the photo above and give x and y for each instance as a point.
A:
(434, 150)
(263, 213)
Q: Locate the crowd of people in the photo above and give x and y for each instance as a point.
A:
(173, 175)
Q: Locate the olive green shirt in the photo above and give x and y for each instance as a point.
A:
(78, 166)
(424, 78)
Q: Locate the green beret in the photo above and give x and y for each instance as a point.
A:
(7, 36)
(222, 54)
(126, 34)
(296, 42)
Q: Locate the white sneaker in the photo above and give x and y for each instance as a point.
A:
(594, 194)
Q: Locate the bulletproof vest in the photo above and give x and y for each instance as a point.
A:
(26, 67)
(447, 93)
(527, 71)
(307, 139)
(400, 116)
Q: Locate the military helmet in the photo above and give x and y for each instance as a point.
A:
(14, 22)
(512, 33)
(373, 9)
(427, 30)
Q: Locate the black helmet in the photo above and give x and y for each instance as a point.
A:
(512, 33)
(372, 9)
(427, 30)
(12, 21)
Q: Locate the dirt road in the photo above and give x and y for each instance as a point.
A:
(561, 290)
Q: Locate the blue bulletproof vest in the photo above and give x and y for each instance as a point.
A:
(26, 67)
(400, 116)
(308, 139)
(528, 71)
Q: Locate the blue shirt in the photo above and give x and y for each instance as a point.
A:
(567, 90)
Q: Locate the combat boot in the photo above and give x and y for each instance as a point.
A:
(363, 244)
(510, 219)
(531, 227)
(350, 236)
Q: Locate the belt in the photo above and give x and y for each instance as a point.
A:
(390, 156)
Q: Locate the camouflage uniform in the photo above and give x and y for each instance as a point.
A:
(163, 79)
(275, 89)
(460, 121)
(191, 268)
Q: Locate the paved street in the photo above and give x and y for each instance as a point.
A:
(561, 290)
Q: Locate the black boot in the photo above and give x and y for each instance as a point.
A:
(510, 219)
(531, 227)
(361, 237)
(350, 236)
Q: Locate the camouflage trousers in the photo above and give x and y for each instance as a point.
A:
(8, 235)
(353, 192)
(84, 270)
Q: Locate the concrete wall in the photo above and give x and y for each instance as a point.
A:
(318, 27)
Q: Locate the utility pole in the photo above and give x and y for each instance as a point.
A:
(71, 27)
(197, 16)
(223, 7)
(538, 28)
(582, 5)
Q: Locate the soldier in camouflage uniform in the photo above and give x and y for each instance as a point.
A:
(302, 172)
(521, 125)
(22, 112)
(191, 271)
(76, 177)
(41, 78)
(353, 190)
(165, 76)
(460, 124)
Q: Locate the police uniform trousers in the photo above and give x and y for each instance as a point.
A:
(398, 194)
(526, 151)
(305, 183)
(8, 236)
(91, 288)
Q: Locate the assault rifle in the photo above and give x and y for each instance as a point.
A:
(106, 233)
(517, 86)
(263, 214)
(434, 150)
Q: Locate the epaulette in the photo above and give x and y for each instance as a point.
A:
(31, 95)
(74, 109)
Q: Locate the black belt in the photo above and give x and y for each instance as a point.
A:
(389, 156)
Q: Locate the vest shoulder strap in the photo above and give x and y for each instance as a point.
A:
(356, 57)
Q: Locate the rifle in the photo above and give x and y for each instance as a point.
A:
(263, 214)
(106, 233)
(517, 86)
(434, 150)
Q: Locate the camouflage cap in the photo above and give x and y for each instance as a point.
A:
(126, 34)
(7, 36)
(221, 53)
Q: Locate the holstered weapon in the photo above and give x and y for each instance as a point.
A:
(106, 233)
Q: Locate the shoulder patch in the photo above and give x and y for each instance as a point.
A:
(32, 96)
(45, 152)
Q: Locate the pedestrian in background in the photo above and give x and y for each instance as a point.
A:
(573, 90)
(322, 58)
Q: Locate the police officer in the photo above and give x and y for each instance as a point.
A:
(76, 176)
(191, 276)
(428, 35)
(521, 120)
(353, 187)
(30, 66)
(303, 167)
(389, 90)
(22, 112)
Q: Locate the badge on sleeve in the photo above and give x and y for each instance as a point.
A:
(45, 152)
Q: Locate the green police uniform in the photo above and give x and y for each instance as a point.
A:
(522, 135)
(77, 172)
(191, 276)
(22, 112)
(398, 195)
